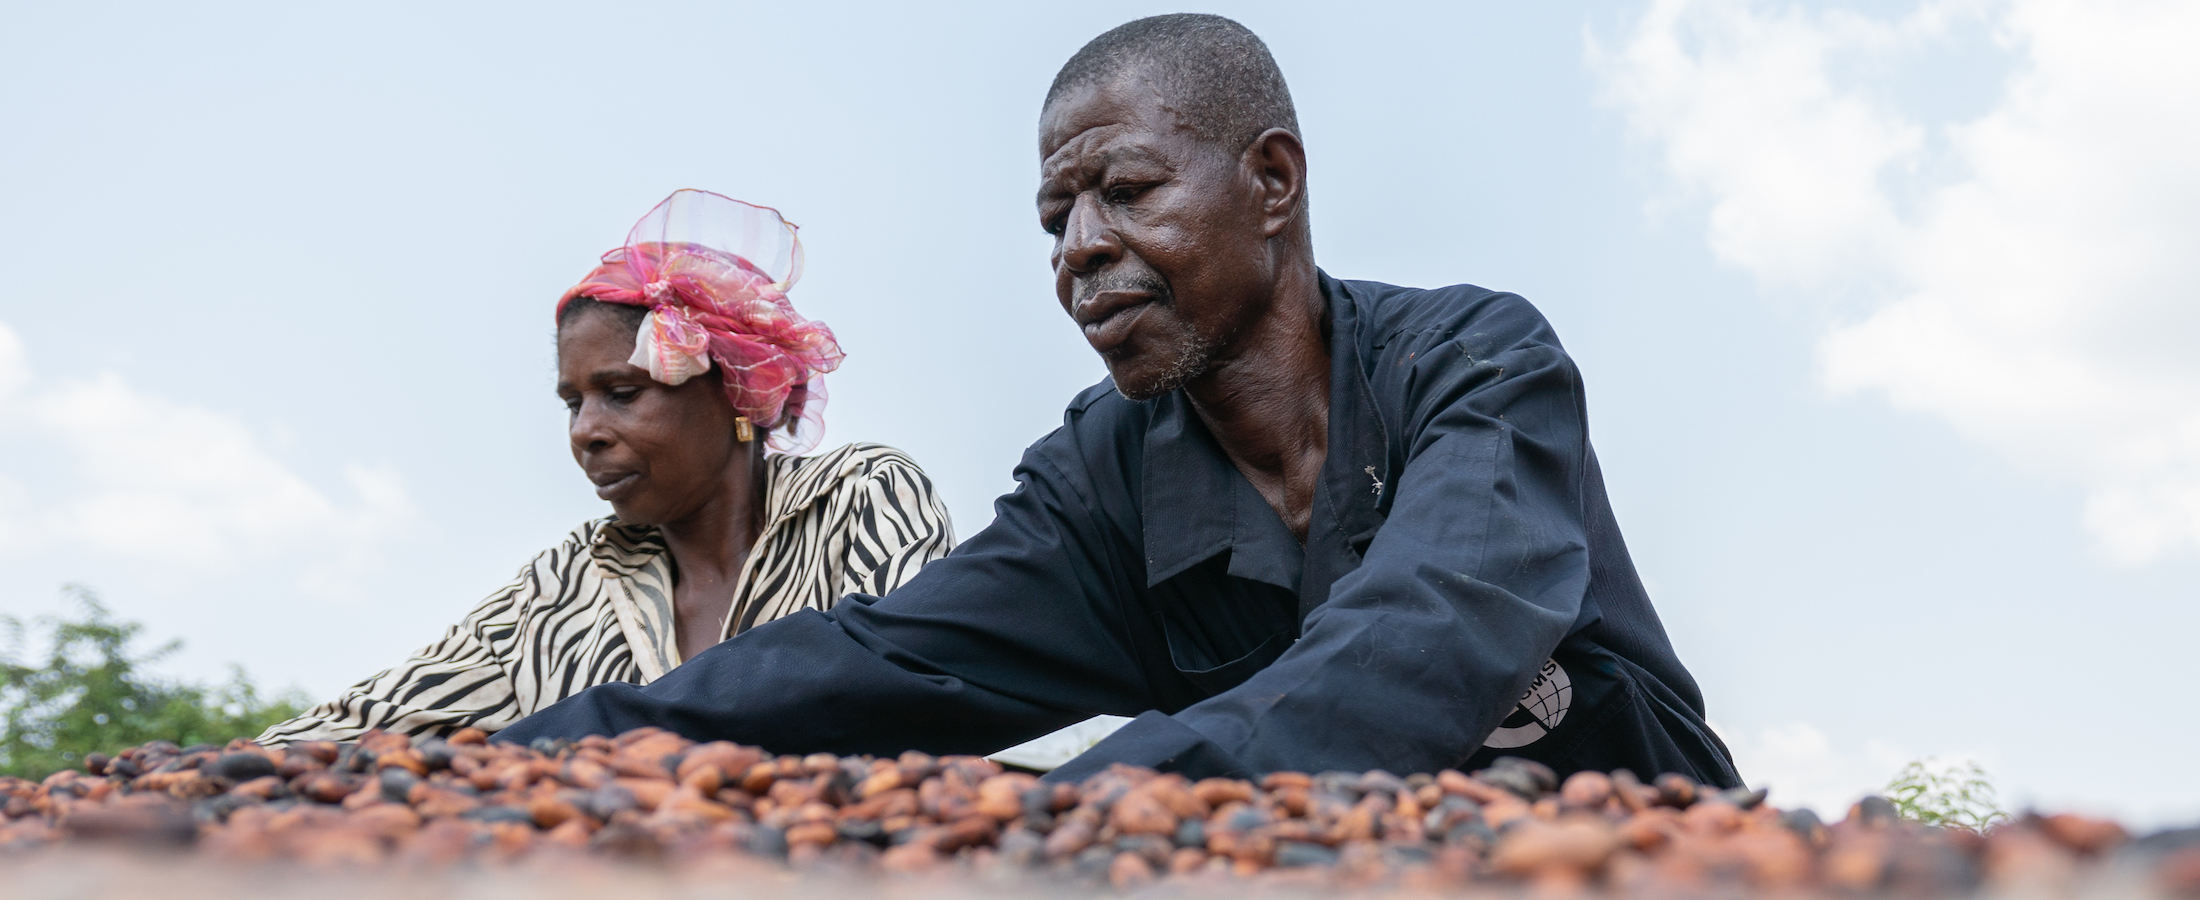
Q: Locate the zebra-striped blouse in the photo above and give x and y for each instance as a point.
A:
(597, 608)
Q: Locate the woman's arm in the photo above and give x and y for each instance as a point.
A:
(462, 680)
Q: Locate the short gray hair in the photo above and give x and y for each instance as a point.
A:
(1222, 78)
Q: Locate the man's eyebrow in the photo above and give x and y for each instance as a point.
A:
(1051, 175)
(1134, 153)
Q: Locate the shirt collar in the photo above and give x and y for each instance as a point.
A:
(1196, 504)
(633, 558)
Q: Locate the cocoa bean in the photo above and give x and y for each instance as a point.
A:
(327, 787)
(2082, 834)
(1002, 796)
(652, 795)
(1676, 790)
(1217, 791)
(1129, 871)
(1585, 790)
(1072, 834)
(1140, 812)
(1579, 843)
(550, 811)
(397, 783)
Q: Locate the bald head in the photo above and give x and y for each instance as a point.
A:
(1216, 74)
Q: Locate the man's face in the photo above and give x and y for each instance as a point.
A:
(1159, 253)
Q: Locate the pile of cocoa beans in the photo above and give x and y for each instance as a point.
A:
(652, 797)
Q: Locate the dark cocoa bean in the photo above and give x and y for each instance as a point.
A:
(1676, 790)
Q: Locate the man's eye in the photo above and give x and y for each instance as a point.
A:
(573, 405)
(1125, 193)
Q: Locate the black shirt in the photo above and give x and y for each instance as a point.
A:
(1463, 591)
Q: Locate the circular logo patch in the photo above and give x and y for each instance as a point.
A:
(1540, 709)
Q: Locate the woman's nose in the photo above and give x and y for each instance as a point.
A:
(589, 430)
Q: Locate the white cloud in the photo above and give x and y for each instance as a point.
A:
(1804, 768)
(2040, 292)
(177, 490)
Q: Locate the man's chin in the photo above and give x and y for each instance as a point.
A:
(1147, 382)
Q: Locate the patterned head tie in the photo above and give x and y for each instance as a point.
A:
(714, 273)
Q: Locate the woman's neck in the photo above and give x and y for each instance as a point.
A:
(708, 549)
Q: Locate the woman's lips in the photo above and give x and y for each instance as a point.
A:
(1110, 333)
(609, 489)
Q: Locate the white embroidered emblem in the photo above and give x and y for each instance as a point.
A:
(1540, 709)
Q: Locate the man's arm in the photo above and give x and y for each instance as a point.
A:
(1476, 576)
(1016, 634)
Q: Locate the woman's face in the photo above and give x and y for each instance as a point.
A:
(656, 452)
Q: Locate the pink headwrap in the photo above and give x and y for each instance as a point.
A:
(714, 272)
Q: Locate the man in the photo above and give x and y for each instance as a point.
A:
(1308, 524)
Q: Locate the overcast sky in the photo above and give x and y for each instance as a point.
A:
(1886, 312)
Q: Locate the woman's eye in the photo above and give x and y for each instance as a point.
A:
(572, 405)
(625, 394)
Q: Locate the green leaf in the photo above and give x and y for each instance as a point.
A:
(91, 693)
(1953, 796)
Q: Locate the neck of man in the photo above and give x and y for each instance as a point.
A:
(1267, 401)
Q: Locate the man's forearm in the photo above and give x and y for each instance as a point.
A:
(802, 684)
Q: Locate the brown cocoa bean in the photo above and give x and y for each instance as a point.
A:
(1129, 872)
(1139, 812)
(1586, 790)
(1579, 843)
(1676, 790)
(2081, 834)
(1217, 791)
(1001, 797)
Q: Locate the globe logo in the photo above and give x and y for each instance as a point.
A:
(1540, 709)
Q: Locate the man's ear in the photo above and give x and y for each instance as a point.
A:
(1277, 162)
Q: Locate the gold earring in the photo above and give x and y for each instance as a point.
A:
(741, 429)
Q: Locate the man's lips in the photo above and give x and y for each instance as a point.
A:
(1108, 316)
(610, 484)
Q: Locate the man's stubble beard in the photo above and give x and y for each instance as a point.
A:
(1193, 356)
(1193, 353)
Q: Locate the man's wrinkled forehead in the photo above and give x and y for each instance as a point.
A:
(1093, 127)
(1131, 100)
(1091, 153)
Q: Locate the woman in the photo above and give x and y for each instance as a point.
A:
(680, 361)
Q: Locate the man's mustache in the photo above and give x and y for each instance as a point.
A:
(1118, 280)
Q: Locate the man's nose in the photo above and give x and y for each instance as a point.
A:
(1088, 241)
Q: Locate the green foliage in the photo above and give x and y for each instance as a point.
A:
(91, 693)
(1952, 796)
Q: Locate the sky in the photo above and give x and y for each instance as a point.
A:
(1884, 310)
